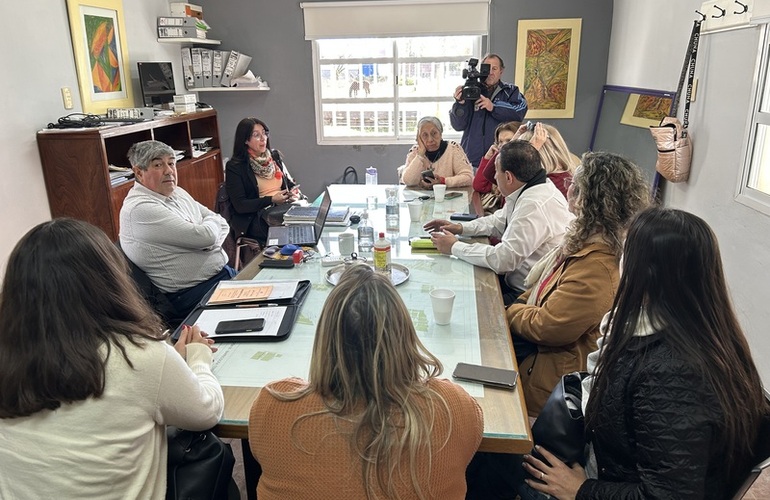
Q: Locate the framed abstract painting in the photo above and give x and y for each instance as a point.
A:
(98, 35)
(547, 55)
(645, 110)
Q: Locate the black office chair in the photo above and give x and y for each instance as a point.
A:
(240, 249)
(153, 295)
(762, 459)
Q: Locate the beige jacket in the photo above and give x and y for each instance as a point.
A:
(564, 321)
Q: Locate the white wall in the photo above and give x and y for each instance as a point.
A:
(37, 61)
(718, 124)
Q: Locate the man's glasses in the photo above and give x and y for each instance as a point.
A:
(258, 135)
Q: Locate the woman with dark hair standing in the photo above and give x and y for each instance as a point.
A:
(676, 402)
(373, 421)
(256, 179)
(87, 381)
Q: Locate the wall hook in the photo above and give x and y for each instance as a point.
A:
(701, 14)
(721, 10)
(745, 8)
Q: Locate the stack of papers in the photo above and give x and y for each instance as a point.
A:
(304, 215)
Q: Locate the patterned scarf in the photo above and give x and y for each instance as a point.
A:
(263, 165)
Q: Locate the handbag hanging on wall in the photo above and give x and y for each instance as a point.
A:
(671, 139)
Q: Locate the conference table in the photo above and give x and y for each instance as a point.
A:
(478, 309)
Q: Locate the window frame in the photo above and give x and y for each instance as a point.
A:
(745, 194)
(396, 100)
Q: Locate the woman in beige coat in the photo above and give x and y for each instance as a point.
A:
(555, 323)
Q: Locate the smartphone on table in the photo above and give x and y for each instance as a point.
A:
(452, 194)
(487, 375)
(240, 326)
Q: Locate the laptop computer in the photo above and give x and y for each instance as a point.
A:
(301, 234)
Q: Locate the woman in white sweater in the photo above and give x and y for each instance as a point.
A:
(445, 160)
(87, 381)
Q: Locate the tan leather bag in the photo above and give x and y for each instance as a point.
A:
(674, 150)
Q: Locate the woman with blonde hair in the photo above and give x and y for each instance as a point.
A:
(373, 420)
(555, 156)
(555, 323)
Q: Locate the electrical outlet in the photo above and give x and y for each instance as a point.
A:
(66, 96)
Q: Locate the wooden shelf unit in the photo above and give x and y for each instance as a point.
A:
(76, 165)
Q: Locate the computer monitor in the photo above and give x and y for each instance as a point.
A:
(156, 80)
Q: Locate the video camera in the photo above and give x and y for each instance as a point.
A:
(473, 79)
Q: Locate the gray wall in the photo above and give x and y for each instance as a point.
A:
(272, 32)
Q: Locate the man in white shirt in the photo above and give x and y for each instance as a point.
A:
(532, 221)
(170, 236)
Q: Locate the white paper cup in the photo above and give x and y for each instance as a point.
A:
(442, 300)
(415, 210)
(347, 245)
(439, 191)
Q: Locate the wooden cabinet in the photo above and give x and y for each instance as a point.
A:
(75, 165)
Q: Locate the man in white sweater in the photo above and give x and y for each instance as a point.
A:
(532, 221)
(170, 236)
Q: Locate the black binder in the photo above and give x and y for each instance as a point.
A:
(293, 306)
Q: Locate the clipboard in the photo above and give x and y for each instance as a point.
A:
(292, 305)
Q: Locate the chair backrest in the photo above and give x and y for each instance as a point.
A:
(152, 294)
(761, 459)
(225, 208)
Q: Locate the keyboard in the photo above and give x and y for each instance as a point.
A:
(302, 234)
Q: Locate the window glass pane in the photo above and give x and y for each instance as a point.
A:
(359, 120)
(380, 87)
(355, 48)
(340, 81)
(759, 178)
(429, 79)
(410, 113)
(437, 46)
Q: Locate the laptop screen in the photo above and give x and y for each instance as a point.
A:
(323, 211)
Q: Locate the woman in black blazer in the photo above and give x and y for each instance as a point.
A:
(256, 179)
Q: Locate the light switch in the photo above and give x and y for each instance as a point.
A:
(66, 96)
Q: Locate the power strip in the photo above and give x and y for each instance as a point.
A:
(332, 260)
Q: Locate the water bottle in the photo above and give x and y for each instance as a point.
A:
(365, 234)
(391, 209)
(382, 254)
(371, 188)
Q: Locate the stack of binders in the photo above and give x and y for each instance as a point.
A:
(182, 27)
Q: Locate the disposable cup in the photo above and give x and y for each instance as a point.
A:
(347, 245)
(442, 300)
(439, 191)
(415, 210)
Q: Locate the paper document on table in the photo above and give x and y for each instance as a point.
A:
(273, 315)
(252, 291)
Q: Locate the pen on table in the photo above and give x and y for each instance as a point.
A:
(247, 306)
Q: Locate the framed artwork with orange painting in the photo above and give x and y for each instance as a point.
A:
(547, 52)
(645, 110)
(101, 54)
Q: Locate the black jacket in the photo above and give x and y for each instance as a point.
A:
(657, 430)
(241, 185)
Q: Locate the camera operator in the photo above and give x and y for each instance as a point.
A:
(499, 102)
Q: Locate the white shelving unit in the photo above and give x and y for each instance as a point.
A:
(197, 41)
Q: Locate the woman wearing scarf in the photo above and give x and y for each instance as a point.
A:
(572, 287)
(445, 159)
(256, 179)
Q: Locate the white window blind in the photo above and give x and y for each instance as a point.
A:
(391, 18)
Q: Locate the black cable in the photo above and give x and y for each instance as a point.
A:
(77, 120)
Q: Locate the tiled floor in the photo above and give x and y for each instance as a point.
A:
(759, 491)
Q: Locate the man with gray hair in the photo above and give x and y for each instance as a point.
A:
(166, 233)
